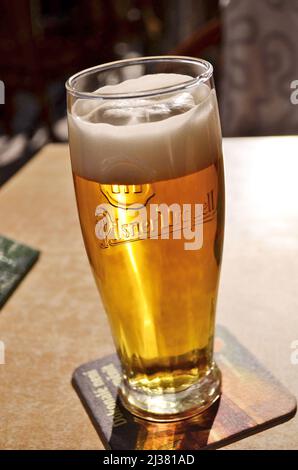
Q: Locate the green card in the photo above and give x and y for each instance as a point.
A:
(16, 260)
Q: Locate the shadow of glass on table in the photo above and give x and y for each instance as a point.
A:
(252, 400)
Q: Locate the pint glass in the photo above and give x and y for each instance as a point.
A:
(145, 146)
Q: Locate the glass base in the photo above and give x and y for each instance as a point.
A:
(174, 406)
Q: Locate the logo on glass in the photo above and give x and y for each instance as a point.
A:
(123, 196)
(128, 217)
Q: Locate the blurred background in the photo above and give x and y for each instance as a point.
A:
(252, 45)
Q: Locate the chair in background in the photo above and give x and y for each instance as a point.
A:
(258, 62)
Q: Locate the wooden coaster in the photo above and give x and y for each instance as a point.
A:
(252, 400)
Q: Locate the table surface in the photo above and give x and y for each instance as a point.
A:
(54, 321)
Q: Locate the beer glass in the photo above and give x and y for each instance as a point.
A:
(145, 144)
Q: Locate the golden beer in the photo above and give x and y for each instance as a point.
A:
(160, 297)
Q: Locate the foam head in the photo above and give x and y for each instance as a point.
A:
(141, 140)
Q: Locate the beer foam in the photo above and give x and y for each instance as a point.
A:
(141, 140)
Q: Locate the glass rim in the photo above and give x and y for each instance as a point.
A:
(200, 78)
